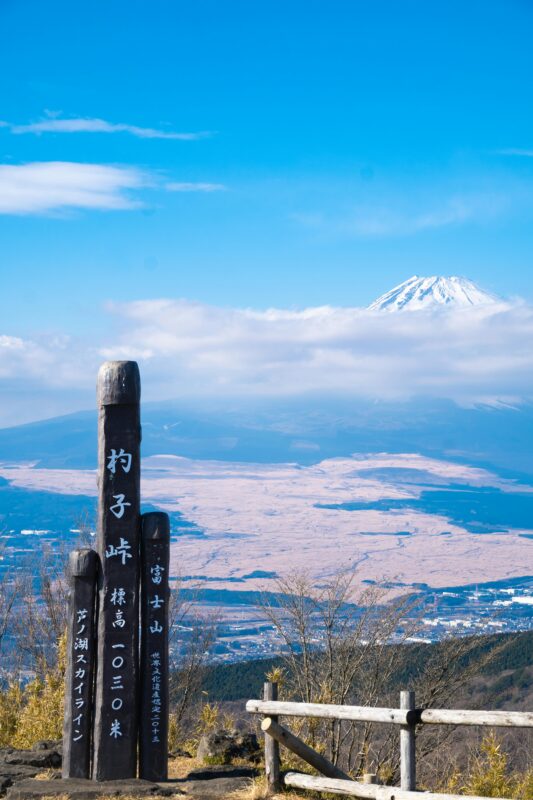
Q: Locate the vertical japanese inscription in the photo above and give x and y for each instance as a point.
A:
(153, 731)
(116, 694)
(77, 727)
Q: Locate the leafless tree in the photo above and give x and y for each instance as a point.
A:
(39, 616)
(342, 643)
(191, 635)
(10, 589)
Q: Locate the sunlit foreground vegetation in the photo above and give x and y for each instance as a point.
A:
(335, 649)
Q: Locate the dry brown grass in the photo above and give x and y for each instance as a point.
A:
(258, 793)
(257, 790)
(180, 767)
(126, 797)
(47, 775)
(56, 797)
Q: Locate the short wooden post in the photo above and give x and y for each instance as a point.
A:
(408, 745)
(272, 760)
(153, 723)
(117, 669)
(370, 777)
(77, 726)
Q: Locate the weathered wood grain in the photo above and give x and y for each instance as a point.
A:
(327, 711)
(153, 722)
(372, 791)
(396, 716)
(79, 678)
(408, 745)
(272, 759)
(116, 695)
(301, 749)
(300, 780)
(119, 383)
(496, 719)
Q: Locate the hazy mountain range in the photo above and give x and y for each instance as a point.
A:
(312, 426)
(428, 338)
(390, 483)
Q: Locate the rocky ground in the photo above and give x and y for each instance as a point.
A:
(36, 774)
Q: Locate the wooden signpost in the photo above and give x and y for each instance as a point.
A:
(153, 732)
(112, 701)
(77, 728)
(116, 696)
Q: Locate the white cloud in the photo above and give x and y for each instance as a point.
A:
(194, 187)
(95, 125)
(187, 349)
(469, 355)
(48, 186)
(44, 361)
(43, 377)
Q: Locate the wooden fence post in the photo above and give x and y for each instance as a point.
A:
(77, 726)
(153, 723)
(117, 666)
(408, 745)
(272, 760)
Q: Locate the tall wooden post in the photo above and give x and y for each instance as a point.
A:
(272, 760)
(116, 694)
(408, 746)
(153, 726)
(77, 726)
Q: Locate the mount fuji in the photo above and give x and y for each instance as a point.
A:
(418, 294)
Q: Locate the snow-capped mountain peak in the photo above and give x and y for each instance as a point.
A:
(425, 293)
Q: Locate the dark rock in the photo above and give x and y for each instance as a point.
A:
(215, 788)
(11, 773)
(220, 747)
(179, 753)
(212, 782)
(221, 771)
(43, 759)
(80, 789)
(47, 744)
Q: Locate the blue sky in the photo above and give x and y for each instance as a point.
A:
(254, 154)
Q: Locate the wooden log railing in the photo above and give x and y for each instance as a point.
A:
(396, 716)
(333, 780)
(299, 780)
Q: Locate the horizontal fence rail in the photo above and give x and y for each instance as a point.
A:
(299, 780)
(396, 716)
(325, 711)
(493, 719)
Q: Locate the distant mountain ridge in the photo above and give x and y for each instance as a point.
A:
(305, 433)
(418, 293)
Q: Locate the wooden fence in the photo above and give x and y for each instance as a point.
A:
(333, 779)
